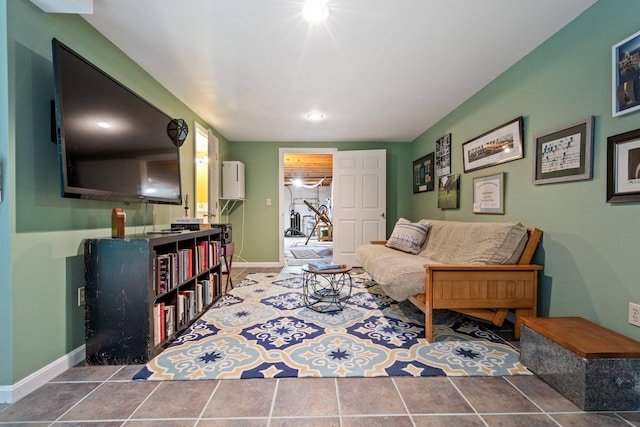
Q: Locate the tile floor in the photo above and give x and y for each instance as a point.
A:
(105, 396)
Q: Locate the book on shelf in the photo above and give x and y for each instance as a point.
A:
(325, 266)
(180, 309)
(212, 288)
(169, 271)
(158, 323)
(187, 305)
(189, 263)
(183, 263)
(175, 271)
(215, 253)
(169, 320)
(207, 292)
(202, 256)
(204, 285)
(163, 273)
(164, 321)
(199, 298)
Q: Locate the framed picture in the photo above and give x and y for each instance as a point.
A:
(488, 194)
(625, 90)
(623, 167)
(564, 154)
(499, 145)
(443, 155)
(423, 174)
(449, 191)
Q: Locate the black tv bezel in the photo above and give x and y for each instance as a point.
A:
(73, 192)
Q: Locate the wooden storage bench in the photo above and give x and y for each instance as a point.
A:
(594, 367)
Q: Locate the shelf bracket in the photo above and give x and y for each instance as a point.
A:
(228, 205)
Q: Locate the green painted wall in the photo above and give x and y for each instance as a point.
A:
(590, 247)
(46, 232)
(259, 226)
(6, 357)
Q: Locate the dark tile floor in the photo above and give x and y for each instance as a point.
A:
(105, 396)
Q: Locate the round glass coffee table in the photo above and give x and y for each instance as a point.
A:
(326, 290)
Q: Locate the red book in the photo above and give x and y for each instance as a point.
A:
(162, 324)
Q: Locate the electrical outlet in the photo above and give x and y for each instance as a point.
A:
(80, 296)
(634, 314)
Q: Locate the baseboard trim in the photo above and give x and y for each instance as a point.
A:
(257, 264)
(13, 393)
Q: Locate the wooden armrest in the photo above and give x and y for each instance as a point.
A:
(535, 234)
(378, 242)
(481, 267)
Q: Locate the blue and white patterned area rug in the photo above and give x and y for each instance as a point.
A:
(262, 329)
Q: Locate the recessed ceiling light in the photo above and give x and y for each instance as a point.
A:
(315, 117)
(104, 125)
(315, 10)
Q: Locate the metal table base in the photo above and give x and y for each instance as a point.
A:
(326, 291)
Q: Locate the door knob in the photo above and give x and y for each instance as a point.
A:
(382, 214)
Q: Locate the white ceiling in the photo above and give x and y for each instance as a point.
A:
(379, 70)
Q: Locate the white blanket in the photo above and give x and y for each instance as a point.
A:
(449, 242)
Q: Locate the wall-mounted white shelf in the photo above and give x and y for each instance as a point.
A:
(228, 205)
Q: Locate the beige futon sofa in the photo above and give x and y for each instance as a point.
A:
(480, 269)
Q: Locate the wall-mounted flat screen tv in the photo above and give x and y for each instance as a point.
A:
(112, 144)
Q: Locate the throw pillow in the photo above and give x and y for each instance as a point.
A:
(408, 236)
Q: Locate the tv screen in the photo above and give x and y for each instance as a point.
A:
(112, 144)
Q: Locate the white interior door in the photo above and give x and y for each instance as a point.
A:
(359, 201)
(214, 179)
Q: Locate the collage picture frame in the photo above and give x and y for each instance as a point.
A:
(443, 155)
(564, 153)
(499, 145)
(423, 174)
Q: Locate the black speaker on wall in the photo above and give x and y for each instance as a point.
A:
(178, 130)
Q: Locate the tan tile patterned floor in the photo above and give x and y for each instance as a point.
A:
(106, 396)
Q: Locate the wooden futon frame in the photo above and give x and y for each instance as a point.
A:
(484, 291)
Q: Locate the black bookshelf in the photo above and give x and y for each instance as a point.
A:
(130, 293)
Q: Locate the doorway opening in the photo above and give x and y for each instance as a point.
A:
(207, 181)
(306, 187)
(202, 173)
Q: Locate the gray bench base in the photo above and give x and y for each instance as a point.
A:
(592, 384)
